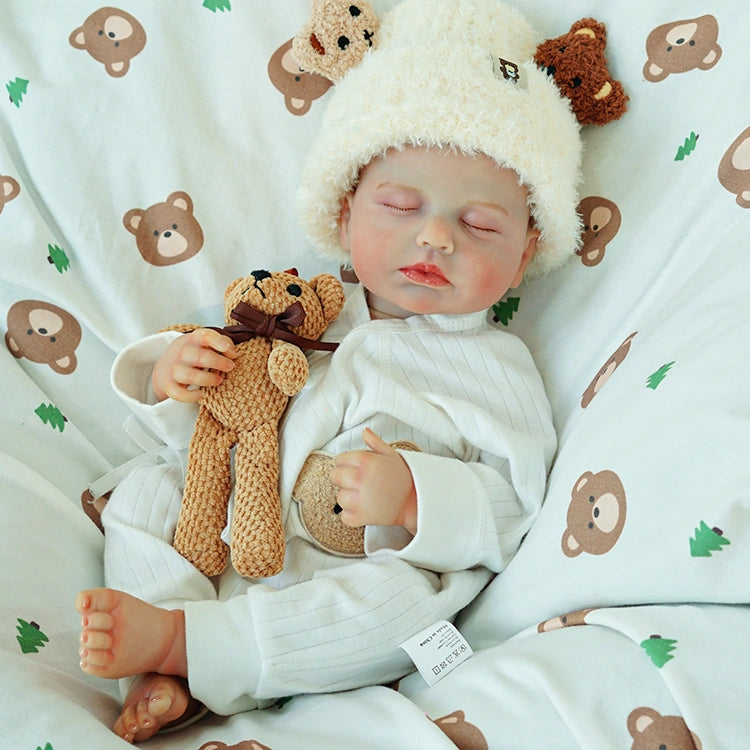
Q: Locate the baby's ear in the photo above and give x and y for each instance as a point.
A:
(345, 214)
(532, 237)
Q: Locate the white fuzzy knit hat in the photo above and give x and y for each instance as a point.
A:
(456, 74)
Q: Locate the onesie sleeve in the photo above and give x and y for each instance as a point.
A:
(468, 515)
(170, 421)
(474, 508)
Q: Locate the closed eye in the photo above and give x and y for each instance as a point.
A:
(400, 209)
(478, 228)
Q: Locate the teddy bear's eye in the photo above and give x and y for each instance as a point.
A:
(343, 42)
(575, 83)
(295, 290)
(354, 11)
(562, 50)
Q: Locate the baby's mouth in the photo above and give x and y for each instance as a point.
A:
(425, 273)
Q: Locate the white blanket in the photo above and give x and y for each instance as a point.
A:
(622, 621)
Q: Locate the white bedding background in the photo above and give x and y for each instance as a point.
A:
(644, 348)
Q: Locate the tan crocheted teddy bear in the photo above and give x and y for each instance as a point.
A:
(271, 317)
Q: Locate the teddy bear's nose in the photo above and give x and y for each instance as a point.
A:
(260, 275)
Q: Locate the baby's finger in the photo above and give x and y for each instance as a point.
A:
(186, 376)
(347, 508)
(178, 392)
(209, 338)
(344, 476)
(348, 458)
(375, 443)
(207, 359)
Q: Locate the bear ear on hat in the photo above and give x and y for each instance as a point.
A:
(336, 37)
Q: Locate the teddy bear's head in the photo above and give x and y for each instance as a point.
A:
(336, 38)
(274, 292)
(577, 62)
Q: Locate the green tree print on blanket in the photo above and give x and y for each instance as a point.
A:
(707, 540)
(504, 309)
(654, 380)
(30, 637)
(16, 89)
(659, 649)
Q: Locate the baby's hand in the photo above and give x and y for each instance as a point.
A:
(199, 358)
(375, 486)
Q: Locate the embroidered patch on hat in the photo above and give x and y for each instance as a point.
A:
(508, 71)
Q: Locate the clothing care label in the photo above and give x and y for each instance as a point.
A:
(437, 650)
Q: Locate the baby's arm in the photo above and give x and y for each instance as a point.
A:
(376, 487)
(193, 361)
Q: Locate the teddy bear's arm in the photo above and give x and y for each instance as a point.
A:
(288, 367)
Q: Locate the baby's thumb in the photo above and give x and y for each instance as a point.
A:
(375, 443)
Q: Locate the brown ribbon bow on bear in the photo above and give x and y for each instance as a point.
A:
(252, 322)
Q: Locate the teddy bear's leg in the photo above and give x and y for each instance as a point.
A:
(203, 514)
(257, 533)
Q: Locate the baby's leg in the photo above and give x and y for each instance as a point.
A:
(139, 558)
(153, 702)
(123, 636)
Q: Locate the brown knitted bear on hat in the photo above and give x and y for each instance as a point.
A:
(271, 317)
(577, 62)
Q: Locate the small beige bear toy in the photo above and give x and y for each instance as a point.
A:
(336, 38)
(271, 317)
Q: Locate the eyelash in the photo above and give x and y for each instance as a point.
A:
(480, 229)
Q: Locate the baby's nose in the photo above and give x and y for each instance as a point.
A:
(436, 234)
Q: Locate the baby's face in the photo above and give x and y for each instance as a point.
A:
(432, 231)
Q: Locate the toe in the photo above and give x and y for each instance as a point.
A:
(98, 621)
(147, 724)
(126, 725)
(95, 600)
(92, 660)
(101, 600)
(96, 640)
(83, 602)
(161, 701)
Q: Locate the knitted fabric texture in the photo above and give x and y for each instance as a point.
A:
(453, 74)
(244, 412)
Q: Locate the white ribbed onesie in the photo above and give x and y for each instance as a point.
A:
(467, 394)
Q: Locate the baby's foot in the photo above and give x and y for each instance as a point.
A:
(123, 636)
(153, 702)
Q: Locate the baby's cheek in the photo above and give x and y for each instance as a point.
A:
(491, 281)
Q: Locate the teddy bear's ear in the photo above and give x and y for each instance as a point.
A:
(336, 37)
(591, 28)
(232, 287)
(331, 294)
